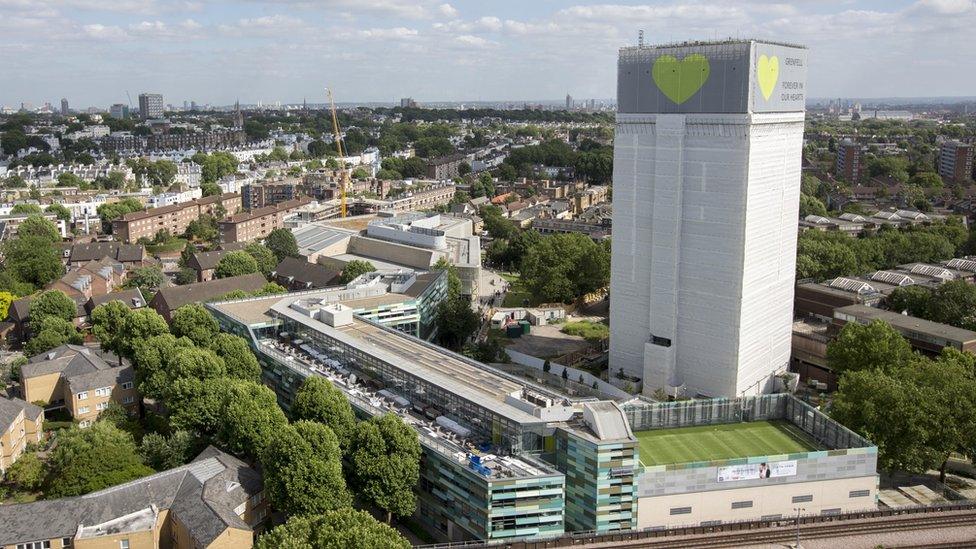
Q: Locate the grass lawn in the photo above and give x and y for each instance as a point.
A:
(727, 441)
(587, 329)
(517, 293)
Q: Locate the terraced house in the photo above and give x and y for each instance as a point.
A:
(214, 502)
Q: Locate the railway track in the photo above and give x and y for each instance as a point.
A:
(786, 534)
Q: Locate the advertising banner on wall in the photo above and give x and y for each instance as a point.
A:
(751, 471)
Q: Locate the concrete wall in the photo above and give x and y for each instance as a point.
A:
(766, 501)
(573, 373)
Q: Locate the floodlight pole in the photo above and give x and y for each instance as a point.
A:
(798, 511)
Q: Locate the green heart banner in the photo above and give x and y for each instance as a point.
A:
(679, 80)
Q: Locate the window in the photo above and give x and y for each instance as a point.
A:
(681, 510)
(124, 544)
(741, 504)
(802, 499)
(859, 493)
(84, 410)
(35, 545)
(127, 385)
(83, 395)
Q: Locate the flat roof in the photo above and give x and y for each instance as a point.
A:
(723, 441)
(441, 368)
(909, 323)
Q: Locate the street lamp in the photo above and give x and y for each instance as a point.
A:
(798, 511)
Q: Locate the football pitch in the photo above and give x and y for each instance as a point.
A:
(726, 441)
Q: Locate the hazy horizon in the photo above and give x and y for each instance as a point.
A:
(215, 51)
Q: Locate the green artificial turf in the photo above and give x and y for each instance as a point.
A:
(727, 441)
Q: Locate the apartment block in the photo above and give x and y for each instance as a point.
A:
(257, 224)
(956, 161)
(215, 502)
(175, 219)
(848, 163)
(20, 423)
(270, 193)
(82, 380)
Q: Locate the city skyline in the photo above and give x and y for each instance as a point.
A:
(380, 50)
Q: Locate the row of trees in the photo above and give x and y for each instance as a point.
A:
(917, 410)
(318, 461)
(822, 255)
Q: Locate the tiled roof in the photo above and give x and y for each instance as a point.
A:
(202, 495)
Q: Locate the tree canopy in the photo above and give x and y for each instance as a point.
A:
(385, 464)
(320, 401)
(339, 529)
(355, 268)
(303, 471)
(282, 244)
(236, 264)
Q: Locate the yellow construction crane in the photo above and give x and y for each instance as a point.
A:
(337, 135)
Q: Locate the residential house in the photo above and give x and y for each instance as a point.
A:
(171, 298)
(20, 422)
(298, 274)
(216, 502)
(130, 255)
(82, 380)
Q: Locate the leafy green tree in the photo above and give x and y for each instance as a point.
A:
(139, 325)
(874, 346)
(385, 463)
(886, 410)
(210, 189)
(562, 267)
(197, 406)
(86, 460)
(339, 529)
(251, 416)
(195, 322)
(161, 452)
(25, 209)
(456, 322)
(64, 214)
(811, 205)
(51, 303)
(317, 148)
(151, 357)
(913, 299)
(68, 179)
(355, 268)
(282, 244)
(36, 225)
(265, 258)
(27, 473)
(236, 264)
(303, 471)
(238, 358)
(147, 279)
(32, 260)
(320, 401)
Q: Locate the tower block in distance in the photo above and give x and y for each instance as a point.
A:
(706, 188)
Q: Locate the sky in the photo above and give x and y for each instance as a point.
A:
(213, 51)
